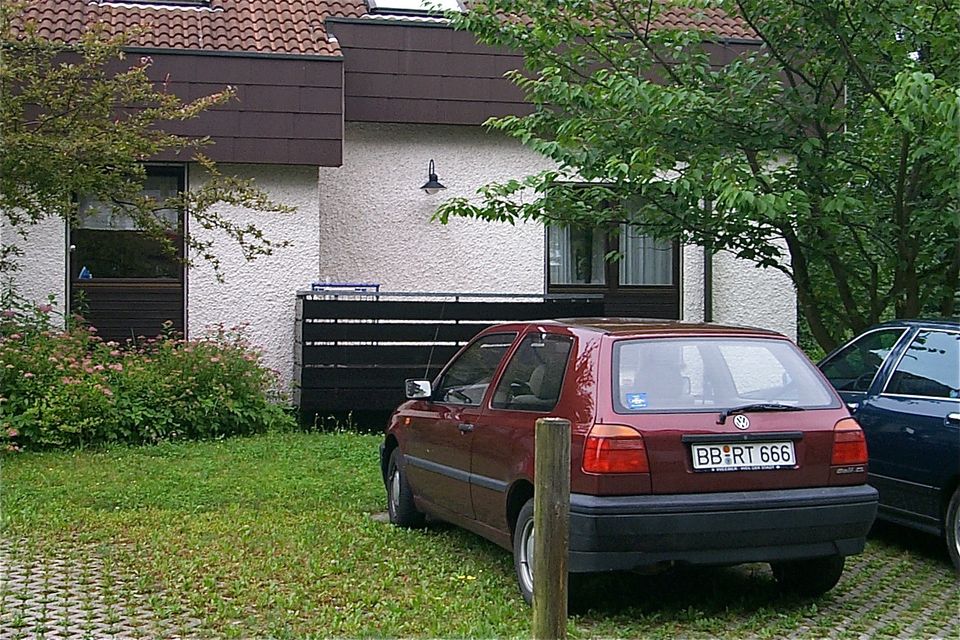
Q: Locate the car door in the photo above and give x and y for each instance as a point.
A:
(440, 433)
(503, 444)
(853, 368)
(912, 423)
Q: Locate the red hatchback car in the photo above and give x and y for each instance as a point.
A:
(696, 444)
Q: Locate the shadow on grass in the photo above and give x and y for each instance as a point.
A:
(672, 594)
(925, 545)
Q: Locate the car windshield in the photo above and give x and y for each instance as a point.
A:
(713, 374)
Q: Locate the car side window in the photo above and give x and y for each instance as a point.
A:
(467, 378)
(856, 365)
(930, 367)
(534, 375)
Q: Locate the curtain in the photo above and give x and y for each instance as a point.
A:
(645, 261)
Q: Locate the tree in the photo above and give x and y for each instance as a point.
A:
(80, 119)
(829, 151)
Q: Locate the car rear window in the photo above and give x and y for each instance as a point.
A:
(710, 374)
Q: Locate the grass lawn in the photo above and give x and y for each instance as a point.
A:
(273, 536)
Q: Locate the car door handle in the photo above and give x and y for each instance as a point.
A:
(465, 427)
(853, 406)
(953, 418)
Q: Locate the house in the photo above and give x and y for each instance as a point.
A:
(341, 105)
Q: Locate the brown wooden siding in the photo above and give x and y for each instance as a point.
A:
(286, 111)
(424, 74)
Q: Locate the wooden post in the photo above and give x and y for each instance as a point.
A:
(551, 528)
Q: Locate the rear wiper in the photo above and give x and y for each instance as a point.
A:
(759, 406)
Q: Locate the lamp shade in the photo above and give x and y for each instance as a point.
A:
(433, 184)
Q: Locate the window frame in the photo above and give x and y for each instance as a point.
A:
(501, 378)
(436, 395)
(175, 170)
(611, 272)
(903, 352)
(904, 331)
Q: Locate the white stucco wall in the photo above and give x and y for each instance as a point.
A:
(375, 221)
(42, 269)
(369, 221)
(260, 293)
(742, 293)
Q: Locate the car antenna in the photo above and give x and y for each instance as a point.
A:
(433, 345)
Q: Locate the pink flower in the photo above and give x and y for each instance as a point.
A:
(45, 308)
(15, 336)
(116, 367)
(28, 374)
(214, 359)
(8, 313)
(106, 391)
(92, 329)
(12, 433)
(114, 352)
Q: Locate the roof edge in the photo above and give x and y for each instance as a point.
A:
(441, 23)
(235, 54)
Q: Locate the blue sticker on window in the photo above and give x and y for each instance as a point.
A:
(636, 400)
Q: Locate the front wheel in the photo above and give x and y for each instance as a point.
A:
(809, 578)
(952, 527)
(400, 507)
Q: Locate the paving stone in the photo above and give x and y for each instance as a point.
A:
(73, 596)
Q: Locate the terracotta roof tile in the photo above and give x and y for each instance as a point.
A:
(255, 26)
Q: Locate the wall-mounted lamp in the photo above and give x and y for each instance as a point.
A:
(433, 185)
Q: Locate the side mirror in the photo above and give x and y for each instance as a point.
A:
(418, 389)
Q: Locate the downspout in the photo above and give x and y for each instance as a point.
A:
(708, 270)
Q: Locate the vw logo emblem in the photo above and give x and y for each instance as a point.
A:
(741, 422)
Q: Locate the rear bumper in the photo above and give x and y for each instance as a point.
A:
(629, 532)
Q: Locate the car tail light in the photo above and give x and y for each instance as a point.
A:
(612, 448)
(849, 445)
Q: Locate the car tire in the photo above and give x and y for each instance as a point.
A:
(523, 551)
(400, 506)
(523, 560)
(952, 529)
(809, 578)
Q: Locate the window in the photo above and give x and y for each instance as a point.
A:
(107, 243)
(467, 378)
(710, 374)
(534, 376)
(855, 367)
(577, 258)
(413, 7)
(165, 3)
(930, 367)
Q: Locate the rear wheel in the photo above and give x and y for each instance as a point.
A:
(523, 541)
(400, 507)
(810, 577)
(952, 527)
(523, 544)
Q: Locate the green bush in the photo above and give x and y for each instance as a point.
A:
(69, 388)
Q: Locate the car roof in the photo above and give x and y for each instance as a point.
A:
(934, 323)
(655, 326)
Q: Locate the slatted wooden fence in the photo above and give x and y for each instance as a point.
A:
(354, 351)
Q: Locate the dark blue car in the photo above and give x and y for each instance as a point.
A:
(901, 381)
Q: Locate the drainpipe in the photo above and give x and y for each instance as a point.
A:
(708, 271)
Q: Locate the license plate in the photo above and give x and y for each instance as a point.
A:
(743, 456)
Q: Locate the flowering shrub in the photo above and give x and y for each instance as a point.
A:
(67, 388)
